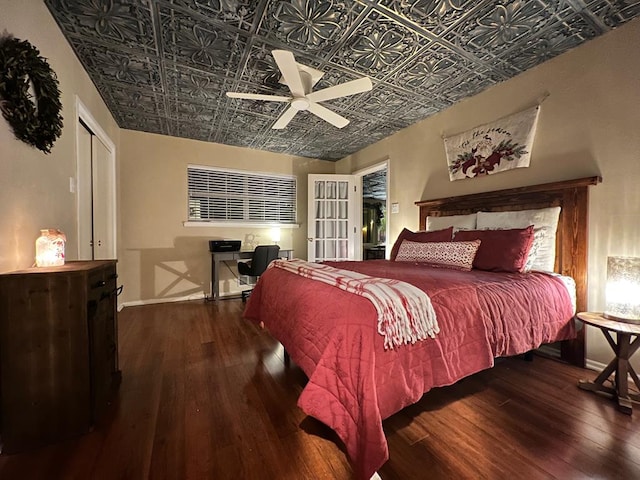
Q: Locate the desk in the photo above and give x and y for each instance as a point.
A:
(217, 257)
(375, 253)
(623, 350)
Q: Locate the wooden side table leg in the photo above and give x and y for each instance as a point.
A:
(622, 383)
(598, 384)
(632, 350)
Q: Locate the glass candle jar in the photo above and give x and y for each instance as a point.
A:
(50, 248)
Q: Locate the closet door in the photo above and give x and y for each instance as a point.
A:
(96, 203)
(85, 200)
(103, 202)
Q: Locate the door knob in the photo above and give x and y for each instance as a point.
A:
(309, 239)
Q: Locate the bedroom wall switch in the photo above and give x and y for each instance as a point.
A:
(395, 207)
(72, 185)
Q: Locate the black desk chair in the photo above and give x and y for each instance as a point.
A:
(263, 255)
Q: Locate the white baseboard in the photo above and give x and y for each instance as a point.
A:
(551, 351)
(593, 365)
(152, 301)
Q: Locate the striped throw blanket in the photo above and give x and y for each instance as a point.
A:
(405, 313)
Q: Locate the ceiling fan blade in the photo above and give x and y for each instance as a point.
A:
(343, 90)
(289, 69)
(258, 96)
(326, 114)
(285, 118)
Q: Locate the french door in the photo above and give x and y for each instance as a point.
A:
(332, 226)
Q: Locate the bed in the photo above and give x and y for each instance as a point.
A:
(355, 382)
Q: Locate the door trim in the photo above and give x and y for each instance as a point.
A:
(359, 204)
(83, 114)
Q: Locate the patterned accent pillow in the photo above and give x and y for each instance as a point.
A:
(444, 235)
(457, 255)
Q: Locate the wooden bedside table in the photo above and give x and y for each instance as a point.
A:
(624, 350)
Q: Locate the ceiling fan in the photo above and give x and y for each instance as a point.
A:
(300, 79)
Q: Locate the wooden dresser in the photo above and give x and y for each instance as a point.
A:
(58, 351)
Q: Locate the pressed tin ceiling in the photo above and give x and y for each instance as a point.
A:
(374, 185)
(163, 66)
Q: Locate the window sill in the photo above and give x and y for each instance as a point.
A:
(240, 224)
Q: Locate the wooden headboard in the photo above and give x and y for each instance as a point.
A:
(571, 238)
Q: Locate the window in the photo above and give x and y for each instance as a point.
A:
(237, 196)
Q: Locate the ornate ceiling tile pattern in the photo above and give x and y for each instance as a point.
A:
(374, 185)
(163, 66)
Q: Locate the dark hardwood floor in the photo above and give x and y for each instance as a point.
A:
(206, 395)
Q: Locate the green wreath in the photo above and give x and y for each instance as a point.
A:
(21, 66)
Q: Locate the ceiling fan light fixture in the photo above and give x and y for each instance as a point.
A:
(300, 80)
(300, 104)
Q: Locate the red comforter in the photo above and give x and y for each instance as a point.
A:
(354, 383)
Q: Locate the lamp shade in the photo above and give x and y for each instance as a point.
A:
(623, 289)
(275, 234)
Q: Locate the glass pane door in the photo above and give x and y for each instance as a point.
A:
(331, 217)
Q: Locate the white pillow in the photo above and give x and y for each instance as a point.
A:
(542, 255)
(458, 222)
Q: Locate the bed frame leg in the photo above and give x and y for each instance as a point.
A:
(528, 357)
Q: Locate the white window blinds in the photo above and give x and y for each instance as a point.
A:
(223, 195)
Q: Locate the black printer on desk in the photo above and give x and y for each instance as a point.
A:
(224, 245)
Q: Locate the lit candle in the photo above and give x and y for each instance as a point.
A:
(50, 248)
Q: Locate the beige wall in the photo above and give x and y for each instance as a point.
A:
(159, 258)
(34, 187)
(589, 125)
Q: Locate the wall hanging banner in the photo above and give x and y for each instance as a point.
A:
(493, 147)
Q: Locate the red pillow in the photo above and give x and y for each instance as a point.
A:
(421, 237)
(500, 250)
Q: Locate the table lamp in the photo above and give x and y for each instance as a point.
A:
(623, 289)
(275, 235)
